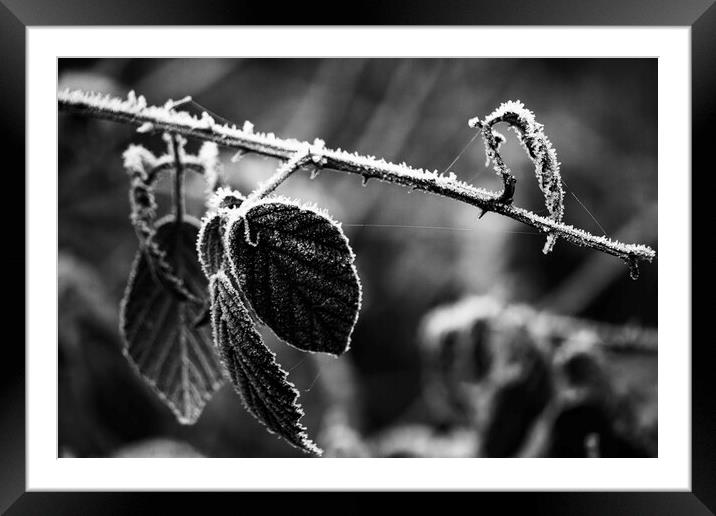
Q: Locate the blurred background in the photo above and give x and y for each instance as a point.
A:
(470, 341)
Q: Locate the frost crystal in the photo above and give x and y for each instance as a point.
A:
(252, 367)
(223, 199)
(208, 157)
(145, 127)
(173, 356)
(138, 160)
(297, 269)
(539, 149)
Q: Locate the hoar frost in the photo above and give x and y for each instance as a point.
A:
(539, 149)
(134, 109)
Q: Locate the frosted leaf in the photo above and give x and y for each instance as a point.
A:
(252, 367)
(209, 245)
(173, 356)
(296, 268)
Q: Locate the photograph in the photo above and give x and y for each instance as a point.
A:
(357, 257)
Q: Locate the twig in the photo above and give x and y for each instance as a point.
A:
(300, 158)
(179, 207)
(134, 110)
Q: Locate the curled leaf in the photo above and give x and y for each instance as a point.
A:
(209, 245)
(176, 358)
(256, 375)
(140, 165)
(296, 268)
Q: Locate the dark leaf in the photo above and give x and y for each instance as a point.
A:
(174, 356)
(296, 268)
(209, 245)
(259, 380)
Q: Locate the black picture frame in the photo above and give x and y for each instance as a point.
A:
(17, 15)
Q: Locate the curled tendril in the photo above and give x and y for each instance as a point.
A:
(539, 149)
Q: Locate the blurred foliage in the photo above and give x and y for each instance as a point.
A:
(531, 383)
(414, 251)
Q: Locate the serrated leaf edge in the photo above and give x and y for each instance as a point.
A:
(307, 444)
(237, 215)
(125, 347)
(206, 222)
(175, 409)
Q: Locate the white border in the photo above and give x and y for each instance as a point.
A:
(670, 471)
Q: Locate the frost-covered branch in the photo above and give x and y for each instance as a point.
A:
(135, 110)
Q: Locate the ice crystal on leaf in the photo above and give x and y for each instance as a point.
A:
(538, 147)
(210, 247)
(289, 265)
(256, 375)
(176, 358)
(271, 259)
(166, 295)
(296, 268)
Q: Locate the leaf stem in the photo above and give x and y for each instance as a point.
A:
(134, 110)
(283, 172)
(179, 203)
